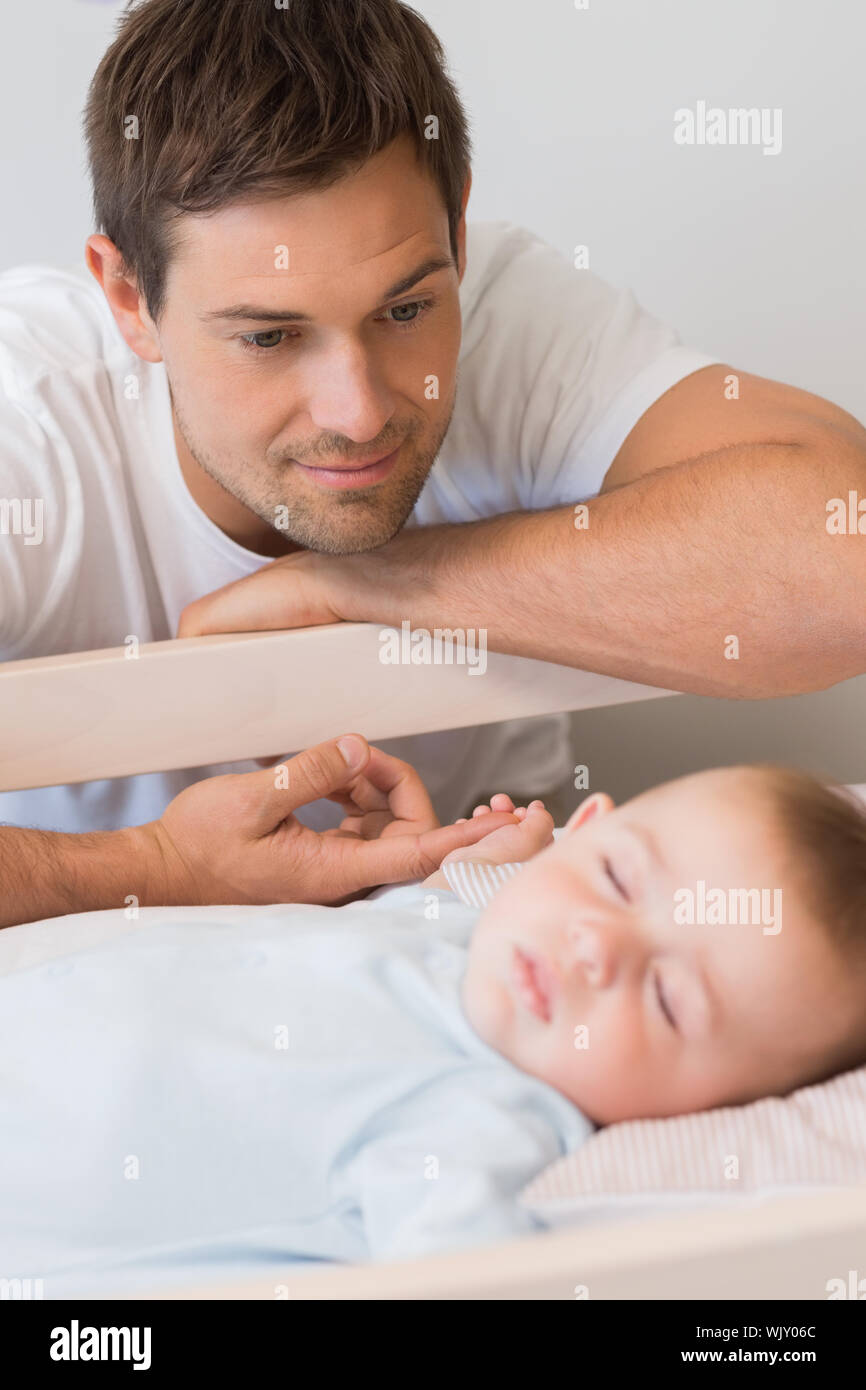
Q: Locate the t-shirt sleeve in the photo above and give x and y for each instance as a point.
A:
(50, 337)
(41, 526)
(448, 1174)
(562, 366)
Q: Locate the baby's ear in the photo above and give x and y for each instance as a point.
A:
(596, 805)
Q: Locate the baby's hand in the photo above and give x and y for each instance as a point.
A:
(510, 844)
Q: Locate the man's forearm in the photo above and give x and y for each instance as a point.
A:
(47, 874)
(714, 576)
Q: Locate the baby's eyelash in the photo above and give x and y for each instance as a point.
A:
(614, 880)
(663, 1002)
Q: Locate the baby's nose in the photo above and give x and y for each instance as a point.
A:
(592, 953)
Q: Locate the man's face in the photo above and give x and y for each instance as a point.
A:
(295, 358)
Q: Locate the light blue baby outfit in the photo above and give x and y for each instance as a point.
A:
(204, 1100)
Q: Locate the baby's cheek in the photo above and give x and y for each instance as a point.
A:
(486, 1002)
(601, 1066)
(571, 1066)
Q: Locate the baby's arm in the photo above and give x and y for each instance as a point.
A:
(511, 844)
(448, 1169)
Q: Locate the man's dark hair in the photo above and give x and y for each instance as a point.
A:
(239, 99)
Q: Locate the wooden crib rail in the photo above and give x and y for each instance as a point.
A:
(187, 703)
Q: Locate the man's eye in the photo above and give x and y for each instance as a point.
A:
(408, 315)
(663, 1004)
(269, 338)
(410, 311)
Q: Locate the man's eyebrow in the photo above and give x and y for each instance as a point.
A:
(427, 267)
(259, 314)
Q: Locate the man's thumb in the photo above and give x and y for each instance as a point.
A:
(314, 773)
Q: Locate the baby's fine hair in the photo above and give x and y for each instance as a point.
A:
(823, 825)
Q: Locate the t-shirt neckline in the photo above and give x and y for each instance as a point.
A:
(165, 452)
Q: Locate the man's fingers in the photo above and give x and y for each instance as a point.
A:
(316, 772)
(438, 843)
(271, 761)
(272, 597)
(362, 795)
(404, 857)
(369, 826)
(405, 793)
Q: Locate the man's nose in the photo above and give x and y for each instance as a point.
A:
(348, 396)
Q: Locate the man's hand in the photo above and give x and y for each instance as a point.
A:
(387, 799)
(235, 839)
(300, 590)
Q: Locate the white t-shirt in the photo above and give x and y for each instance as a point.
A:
(555, 369)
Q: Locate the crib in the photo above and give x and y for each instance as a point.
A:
(189, 703)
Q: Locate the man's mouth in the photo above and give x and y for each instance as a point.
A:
(534, 983)
(352, 474)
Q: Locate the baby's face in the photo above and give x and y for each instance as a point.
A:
(580, 973)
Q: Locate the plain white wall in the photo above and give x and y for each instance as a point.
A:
(756, 258)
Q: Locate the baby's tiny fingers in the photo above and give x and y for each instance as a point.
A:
(501, 802)
(538, 821)
(481, 811)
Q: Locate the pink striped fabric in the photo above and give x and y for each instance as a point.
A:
(475, 883)
(814, 1137)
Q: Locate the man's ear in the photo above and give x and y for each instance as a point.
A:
(126, 303)
(599, 804)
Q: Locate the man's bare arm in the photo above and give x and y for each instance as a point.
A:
(712, 572)
(716, 577)
(236, 839)
(46, 873)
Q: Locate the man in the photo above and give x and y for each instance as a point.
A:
(268, 368)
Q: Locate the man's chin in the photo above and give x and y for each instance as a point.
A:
(342, 535)
(351, 524)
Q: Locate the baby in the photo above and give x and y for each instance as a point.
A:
(212, 1093)
(592, 970)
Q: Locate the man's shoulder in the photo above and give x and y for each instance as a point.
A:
(513, 274)
(492, 248)
(54, 319)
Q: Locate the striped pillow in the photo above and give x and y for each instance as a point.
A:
(814, 1137)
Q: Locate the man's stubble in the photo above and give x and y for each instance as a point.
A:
(341, 522)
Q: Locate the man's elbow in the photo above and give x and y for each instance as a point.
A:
(793, 672)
